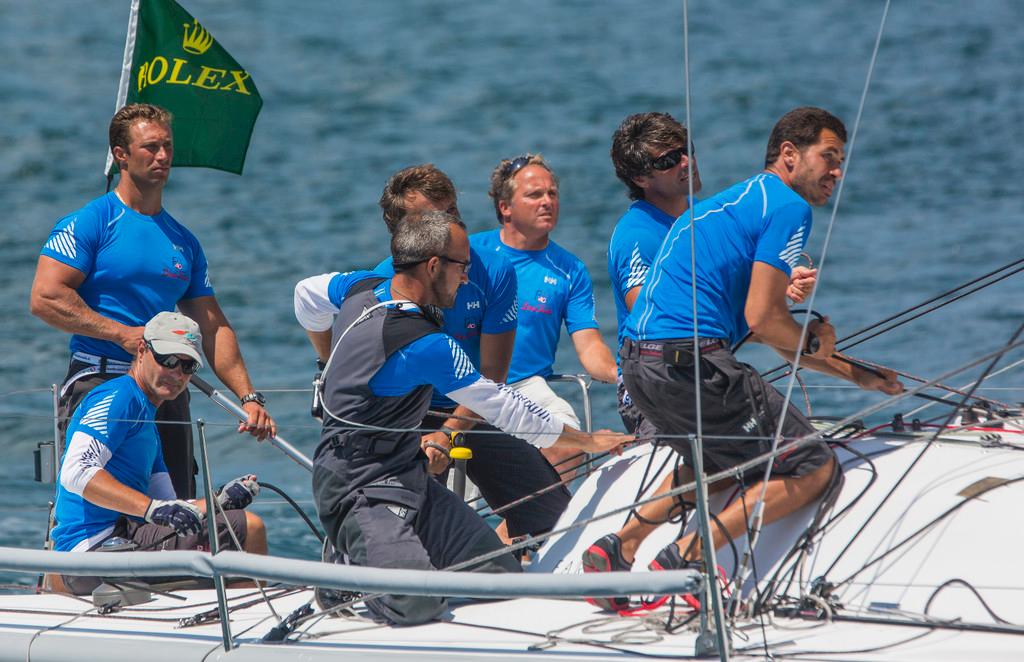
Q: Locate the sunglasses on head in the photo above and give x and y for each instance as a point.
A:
(170, 361)
(669, 159)
(514, 166)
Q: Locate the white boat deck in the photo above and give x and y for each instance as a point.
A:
(976, 482)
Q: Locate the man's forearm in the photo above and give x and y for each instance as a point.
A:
(107, 492)
(69, 313)
(599, 364)
(832, 367)
(321, 341)
(225, 359)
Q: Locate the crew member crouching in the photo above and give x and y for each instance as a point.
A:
(113, 482)
(385, 354)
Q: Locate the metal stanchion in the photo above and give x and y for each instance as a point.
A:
(719, 642)
(211, 529)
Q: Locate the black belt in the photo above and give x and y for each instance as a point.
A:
(657, 347)
(672, 351)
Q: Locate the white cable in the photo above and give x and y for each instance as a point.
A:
(758, 510)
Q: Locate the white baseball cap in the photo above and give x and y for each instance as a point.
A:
(174, 333)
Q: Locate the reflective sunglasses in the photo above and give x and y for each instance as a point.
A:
(171, 361)
(514, 166)
(670, 159)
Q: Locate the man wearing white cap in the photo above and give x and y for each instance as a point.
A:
(113, 482)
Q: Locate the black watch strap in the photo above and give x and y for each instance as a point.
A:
(455, 437)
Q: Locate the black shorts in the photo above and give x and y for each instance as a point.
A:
(155, 538)
(506, 468)
(636, 423)
(740, 411)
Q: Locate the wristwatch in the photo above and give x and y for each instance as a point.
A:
(455, 437)
(256, 397)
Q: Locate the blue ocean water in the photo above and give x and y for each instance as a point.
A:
(354, 91)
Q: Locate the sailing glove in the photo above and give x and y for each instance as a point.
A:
(238, 493)
(179, 515)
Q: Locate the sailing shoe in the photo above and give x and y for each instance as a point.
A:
(605, 555)
(669, 558)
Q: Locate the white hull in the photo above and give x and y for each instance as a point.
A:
(978, 543)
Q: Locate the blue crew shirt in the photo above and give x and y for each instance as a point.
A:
(757, 220)
(113, 428)
(554, 288)
(485, 304)
(135, 266)
(634, 243)
(436, 359)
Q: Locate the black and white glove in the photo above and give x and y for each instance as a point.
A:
(179, 515)
(238, 493)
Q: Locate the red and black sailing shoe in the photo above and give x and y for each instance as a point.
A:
(669, 558)
(605, 555)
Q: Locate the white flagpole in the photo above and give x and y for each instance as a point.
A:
(126, 70)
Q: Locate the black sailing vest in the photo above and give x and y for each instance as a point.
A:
(359, 354)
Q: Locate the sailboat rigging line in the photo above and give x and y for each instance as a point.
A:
(295, 506)
(968, 385)
(1019, 264)
(728, 473)
(934, 308)
(842, 345)
(931, 440)
(952, 509)
(799, 550)
(962, 582)
(737, 590)
(759, 505)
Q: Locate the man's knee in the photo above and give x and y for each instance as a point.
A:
(812, 485)
(255, 534)
(408, 609)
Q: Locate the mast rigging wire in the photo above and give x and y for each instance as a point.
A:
(758, 510)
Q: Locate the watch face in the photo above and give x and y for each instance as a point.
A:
(256, 397)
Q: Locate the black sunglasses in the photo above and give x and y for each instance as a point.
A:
(670, 159)
(514, 166)
(170, 361)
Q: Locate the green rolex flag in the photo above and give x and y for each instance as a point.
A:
(172, 61)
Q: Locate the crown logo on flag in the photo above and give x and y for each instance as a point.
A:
(196, 40)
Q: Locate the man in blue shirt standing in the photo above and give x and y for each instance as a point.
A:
(385, 355)
(649, 153)
(483, 321)
(554, 285)
(113, 482)
(748, 239)
(109, 267)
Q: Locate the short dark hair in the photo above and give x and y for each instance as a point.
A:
(802, 127)
(424, 178)
(503, 184)
(124, 119)
(636, 138)
(419, 237)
